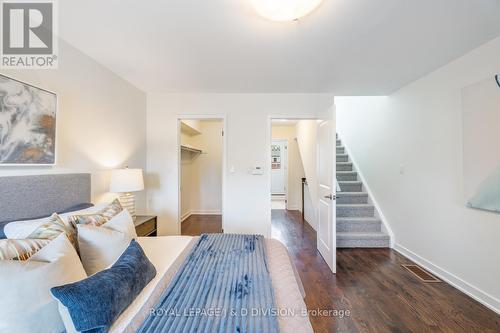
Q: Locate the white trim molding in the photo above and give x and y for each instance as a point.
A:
(186, 215)
(477, 294)
(206, 212)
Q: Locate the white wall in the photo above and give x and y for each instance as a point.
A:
(101, 120)
(409, 148)
(247, 208)
(295, 169)
(202, 174)
(307, 138)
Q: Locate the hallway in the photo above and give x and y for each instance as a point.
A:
(380, 295)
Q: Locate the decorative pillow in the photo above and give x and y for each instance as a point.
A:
(90, 210)
(52, 228)
(20, 249)
(98, 218)
(88, 219)
(101, 246)
(26, 302)
(96, 302)
(112, 209)
(23, 228)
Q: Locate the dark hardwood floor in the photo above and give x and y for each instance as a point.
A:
(380, 295)
(196, 225)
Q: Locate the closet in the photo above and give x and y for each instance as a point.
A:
(201, 142)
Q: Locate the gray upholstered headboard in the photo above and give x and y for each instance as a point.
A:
(26, 197)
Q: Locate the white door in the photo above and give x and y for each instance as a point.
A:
(326, 236)
(278, 166)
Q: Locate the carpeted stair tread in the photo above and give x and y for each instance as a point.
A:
(347, 175)
(351, 186)
(357, 224)
(342, 158)
(362, 235)
(362, 240)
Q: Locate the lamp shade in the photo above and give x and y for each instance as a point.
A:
(126, 180)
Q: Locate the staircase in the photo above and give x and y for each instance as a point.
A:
(357, 221)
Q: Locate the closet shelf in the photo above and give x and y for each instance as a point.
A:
(191, 149)
(189, 130)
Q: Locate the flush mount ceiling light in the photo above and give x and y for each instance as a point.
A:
(284, 10)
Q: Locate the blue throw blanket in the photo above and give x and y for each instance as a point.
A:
(223, 286)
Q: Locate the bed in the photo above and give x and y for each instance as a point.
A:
(27, 197)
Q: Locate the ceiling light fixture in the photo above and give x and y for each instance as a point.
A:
(284, 10)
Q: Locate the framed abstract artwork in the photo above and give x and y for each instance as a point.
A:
(27, 124)
(481, 144)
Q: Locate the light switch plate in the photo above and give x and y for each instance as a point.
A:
(257, 171)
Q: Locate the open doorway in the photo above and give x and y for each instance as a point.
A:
(289, 164)
(279, 173)
(201, 149)
(302, 191)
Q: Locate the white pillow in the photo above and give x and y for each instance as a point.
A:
(122, 222)
(101, 246)
(22, 229)
(26, 302)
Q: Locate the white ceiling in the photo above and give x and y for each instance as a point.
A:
(345, 47)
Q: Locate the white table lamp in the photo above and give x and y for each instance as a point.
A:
(125, 181)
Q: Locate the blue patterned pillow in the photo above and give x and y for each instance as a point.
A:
(96, 302)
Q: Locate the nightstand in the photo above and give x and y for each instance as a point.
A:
(145, 226)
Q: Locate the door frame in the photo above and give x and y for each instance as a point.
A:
(269, 140)
(223, 118)
(286, 155)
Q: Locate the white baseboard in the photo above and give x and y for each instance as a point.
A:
(294, 208)
(465, 287)
(200, 212)
(206, 212)
(185, 216)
